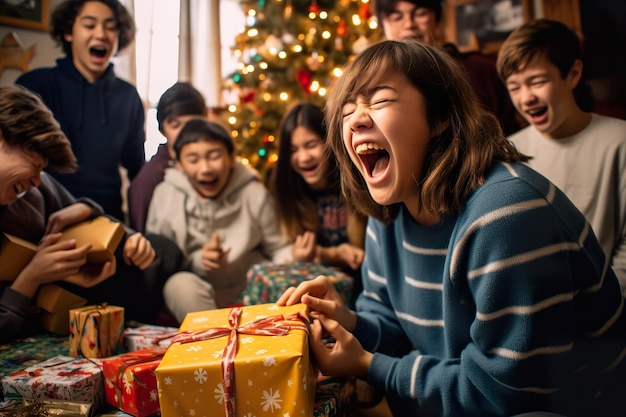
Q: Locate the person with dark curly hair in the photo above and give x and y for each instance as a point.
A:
(102, 115)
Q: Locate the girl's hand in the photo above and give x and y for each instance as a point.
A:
(320, 296)
(341, 354)
(350, 255)
(304, 248)
(138, 251)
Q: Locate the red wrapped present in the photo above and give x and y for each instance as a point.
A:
(130, 383)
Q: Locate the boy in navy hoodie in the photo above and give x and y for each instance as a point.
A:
(101, 115)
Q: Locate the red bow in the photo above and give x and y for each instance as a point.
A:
(267, 326)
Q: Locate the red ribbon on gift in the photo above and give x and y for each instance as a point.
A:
(267, 326)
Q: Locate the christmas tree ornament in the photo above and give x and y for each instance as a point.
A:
(342, 29)
(314, 9)
(304, 78)
(365, 12)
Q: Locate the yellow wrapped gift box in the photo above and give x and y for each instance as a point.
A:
(272, 375)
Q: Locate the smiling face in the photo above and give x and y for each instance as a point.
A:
(307, 157)
(409, 21)
(208, 165)
(544, 98)
(20, 171)
(94, 39)
(388, 146)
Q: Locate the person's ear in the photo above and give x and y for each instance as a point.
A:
(575, 74)
(68, 37)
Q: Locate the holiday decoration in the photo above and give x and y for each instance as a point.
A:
(287, 59)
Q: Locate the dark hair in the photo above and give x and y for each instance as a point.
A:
(383, 8)
(196, 130)
(549, 38)
(469, 141)
(296, 207)
(65, 13)
(26, 122)
(180, 99)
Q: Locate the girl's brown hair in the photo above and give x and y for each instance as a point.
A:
(469, 141)
(26, 122)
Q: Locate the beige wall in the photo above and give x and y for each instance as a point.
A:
(46, 52)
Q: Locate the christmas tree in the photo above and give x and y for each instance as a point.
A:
(289, 51)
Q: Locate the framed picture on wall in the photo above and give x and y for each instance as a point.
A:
(25, 14)
(484, 24)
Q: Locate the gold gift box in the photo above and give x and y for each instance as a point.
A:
(15, 254)
(102, 233)
(274, 375)
(96, 331)
(55, 304)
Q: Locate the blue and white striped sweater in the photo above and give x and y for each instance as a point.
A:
(508, 306)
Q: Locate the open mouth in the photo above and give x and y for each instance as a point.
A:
(98, 51)
(374, 158)
(537, 112)
(207, 183)
(308, 170)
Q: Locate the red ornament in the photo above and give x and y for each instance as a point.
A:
(247, 97)
(304, 78)
(342, 29)
(365, 12)
(314, 7)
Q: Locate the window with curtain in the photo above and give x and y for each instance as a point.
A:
(157, 45)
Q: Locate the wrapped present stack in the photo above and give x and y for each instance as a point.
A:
(179, 371)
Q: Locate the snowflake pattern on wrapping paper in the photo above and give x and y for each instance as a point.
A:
(220, 395)
(200, 375)
(270, 361)
(168, 380)
(154, 395)
(200, 320)
(128, 386)
(271, 400)
(194, 348)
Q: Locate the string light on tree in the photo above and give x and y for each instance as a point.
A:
(286, 60)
